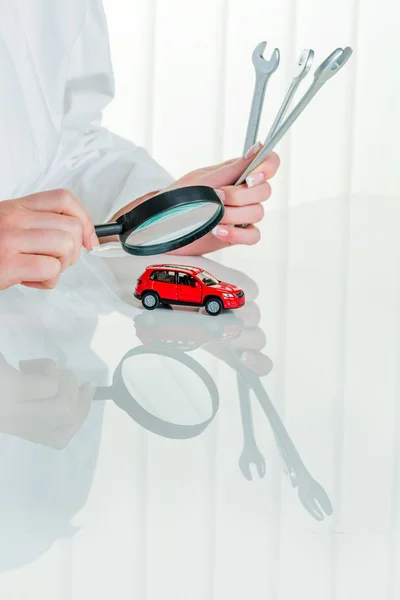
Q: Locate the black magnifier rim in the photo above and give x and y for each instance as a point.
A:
(162, 203)
(122, 398)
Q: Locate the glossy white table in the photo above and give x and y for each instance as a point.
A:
(146, 494)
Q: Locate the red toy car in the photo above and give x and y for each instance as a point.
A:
(181, 284)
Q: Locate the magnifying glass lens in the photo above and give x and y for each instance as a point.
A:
(173, 224)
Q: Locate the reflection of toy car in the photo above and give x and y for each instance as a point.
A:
(183, 330)
(179, 284)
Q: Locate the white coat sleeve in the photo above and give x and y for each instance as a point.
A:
(104, 171)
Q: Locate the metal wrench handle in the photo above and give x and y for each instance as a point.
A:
(303, 67)
(256, 110)
(276, 138)
(282, 111)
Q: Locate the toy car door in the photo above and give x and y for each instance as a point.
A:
(189, 289)
(165, 284)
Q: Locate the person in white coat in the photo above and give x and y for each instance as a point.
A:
(61, 171)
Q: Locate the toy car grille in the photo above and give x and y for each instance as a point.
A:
(240, 294)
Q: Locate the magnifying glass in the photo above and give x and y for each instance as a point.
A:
(167, 393)
(167, 221)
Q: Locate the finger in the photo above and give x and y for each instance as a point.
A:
(40, 286)
(242, 195)
(228, 173)
(38, 387)
(219, 166)
(68, 399)
(71, 225)
(259, 363)
(49, 284)
(250, 313)
(36, 269)
(86, 394)
(42, 366)
(47, 242)
(266, 170)
(252, 338)
(235, 235)
(64, 203)
(60, 406)
(243, 214)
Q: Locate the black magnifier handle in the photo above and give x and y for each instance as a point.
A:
(103, 393)
(108, 229)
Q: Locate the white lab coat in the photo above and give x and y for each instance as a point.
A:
(55, 80)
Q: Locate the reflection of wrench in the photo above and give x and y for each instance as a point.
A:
(251, 453)
(311, 493)
(264, 69)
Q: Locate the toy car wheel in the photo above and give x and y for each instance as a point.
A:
(213, 306)
(150, 300)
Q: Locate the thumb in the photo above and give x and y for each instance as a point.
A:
(39, 366)
(228, 173)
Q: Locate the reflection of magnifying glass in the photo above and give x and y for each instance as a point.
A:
(168, 394)
(167, 221)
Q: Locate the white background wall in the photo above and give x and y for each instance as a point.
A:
(184, 81)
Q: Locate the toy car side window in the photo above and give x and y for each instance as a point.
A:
(166, 276)
(154, 275)
(184, 279)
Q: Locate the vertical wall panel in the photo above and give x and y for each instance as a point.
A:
(187, 83)
(377, 116)
(131, 27)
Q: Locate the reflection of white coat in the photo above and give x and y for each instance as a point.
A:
(56, 78)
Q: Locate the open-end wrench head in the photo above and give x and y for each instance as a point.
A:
(332, 64)
(327, 62)
(342, 59)
(304, 64)
(262, 64)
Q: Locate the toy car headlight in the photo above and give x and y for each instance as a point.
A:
(227, 295)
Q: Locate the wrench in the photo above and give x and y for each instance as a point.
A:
(332, 65)
(264, 69)
(250, 454)
(303, 67)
